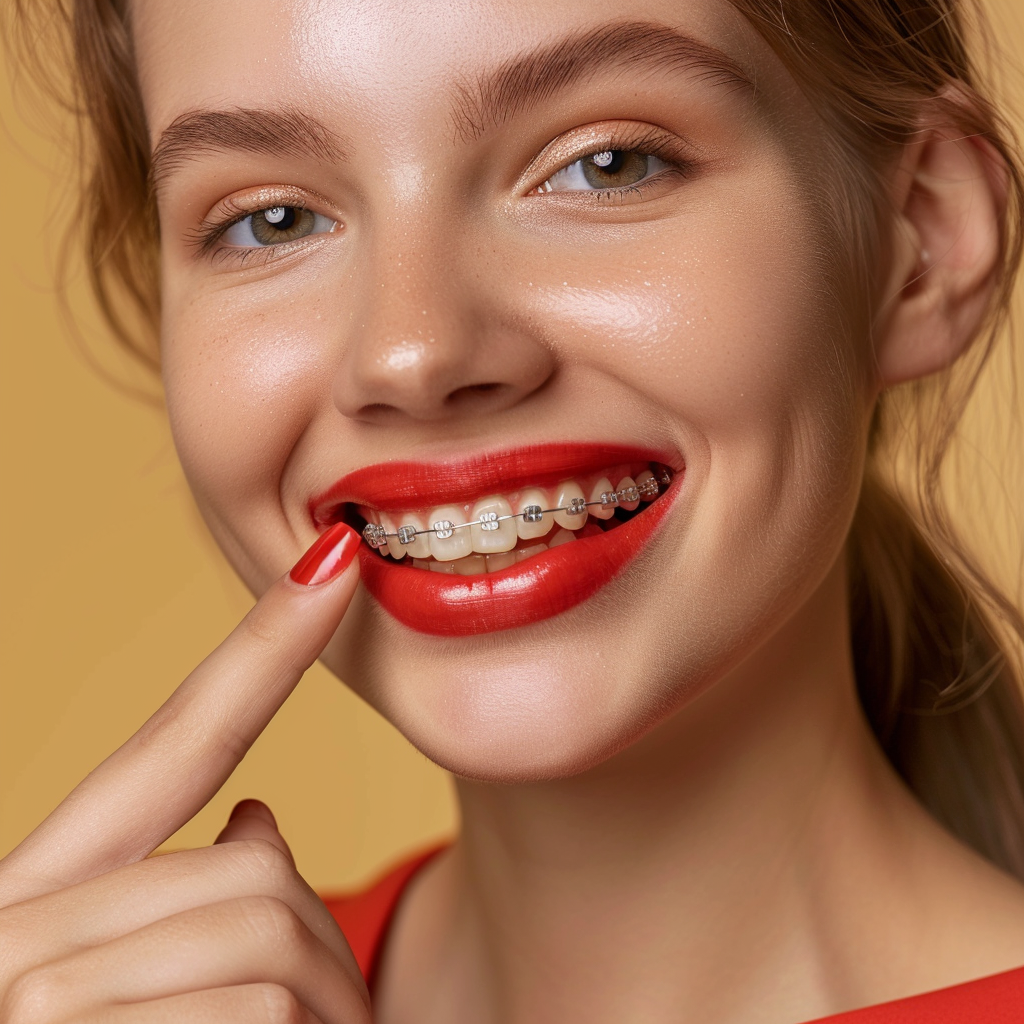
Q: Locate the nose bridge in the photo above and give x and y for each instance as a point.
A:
(423, 337)
(414, 309)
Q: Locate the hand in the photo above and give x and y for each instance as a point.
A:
(91, 930)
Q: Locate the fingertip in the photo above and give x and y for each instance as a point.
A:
(253, 808)
(328, 557)
(253, 819)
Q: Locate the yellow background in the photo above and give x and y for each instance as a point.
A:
(112, 591)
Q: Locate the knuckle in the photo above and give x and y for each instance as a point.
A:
(279, 1005)
(275, 922)
(34, 996)
(268, 867)
(261, 630)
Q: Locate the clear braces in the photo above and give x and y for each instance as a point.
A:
(377, 537)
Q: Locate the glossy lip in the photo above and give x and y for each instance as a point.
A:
(411, 486)
(553, 582)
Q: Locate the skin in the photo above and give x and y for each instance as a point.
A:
(669, 796)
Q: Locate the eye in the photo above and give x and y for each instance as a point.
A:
(609, 169)
(275, 225)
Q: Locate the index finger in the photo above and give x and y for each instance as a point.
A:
(149, 787)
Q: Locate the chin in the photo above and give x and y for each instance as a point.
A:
(543, 702)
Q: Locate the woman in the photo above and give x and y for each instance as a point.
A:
(584, 317)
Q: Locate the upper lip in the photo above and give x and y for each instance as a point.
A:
(404, 486)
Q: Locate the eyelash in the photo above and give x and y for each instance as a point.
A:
(205, 238)
(651, 143)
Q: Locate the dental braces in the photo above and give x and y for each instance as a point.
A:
(377, 536)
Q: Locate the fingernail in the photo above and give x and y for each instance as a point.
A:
(331, 554)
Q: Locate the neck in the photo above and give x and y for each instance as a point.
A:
(747, 846)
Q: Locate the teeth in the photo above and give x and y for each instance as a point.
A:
(471, 540)
(459, 543)
(625, 490)
(530, 531)
(419, 547)
(394, 549)
(493, 537)
(502, 560)
(648, 490)
(567, 495)
(535, 549)
(603, 486)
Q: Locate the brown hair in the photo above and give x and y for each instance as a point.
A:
(936, 645)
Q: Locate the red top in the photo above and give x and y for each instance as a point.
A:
(997, 999)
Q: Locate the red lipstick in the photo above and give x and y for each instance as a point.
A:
(538, 588)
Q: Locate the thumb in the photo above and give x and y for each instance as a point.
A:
(252, 819)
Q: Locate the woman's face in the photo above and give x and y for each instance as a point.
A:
(486, 252)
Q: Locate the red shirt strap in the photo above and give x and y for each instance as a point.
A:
(997, 999)
(364, 917)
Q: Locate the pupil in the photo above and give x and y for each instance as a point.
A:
(282, 217)
(615, 168)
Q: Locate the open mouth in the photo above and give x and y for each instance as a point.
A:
(500, 541)
(499, 531)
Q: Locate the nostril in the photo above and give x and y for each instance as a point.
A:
(471, 391)
(376, 411)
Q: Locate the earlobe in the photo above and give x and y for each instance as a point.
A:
(946, 242)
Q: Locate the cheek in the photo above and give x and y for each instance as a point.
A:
(735, 336)
(243, 378)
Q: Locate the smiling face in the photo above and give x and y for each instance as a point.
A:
(423, 262)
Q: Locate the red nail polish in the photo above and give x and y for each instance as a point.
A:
(332, 553)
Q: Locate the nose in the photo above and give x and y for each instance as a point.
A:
(434, 334)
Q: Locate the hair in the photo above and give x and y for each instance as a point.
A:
(936, 645)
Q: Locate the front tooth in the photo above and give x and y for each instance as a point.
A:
(502, 535)
(603, 486)
(533, 549)
(561, 537)
(445, 567)
(625, 484)
(566, 494)
(421, 563)
(420, 545)
(471, 565)
(499, 561)
(459, 544)
(530, 531)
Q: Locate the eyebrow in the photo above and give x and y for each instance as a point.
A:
(242, 129)
(527, 79)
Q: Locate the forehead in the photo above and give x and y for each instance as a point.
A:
(391, 61)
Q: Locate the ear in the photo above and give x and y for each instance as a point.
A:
(946, 242)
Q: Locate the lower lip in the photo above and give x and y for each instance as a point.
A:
(537, 589)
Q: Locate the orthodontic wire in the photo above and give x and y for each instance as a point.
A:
(377, 537)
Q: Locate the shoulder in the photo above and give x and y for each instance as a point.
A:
(364, 916)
